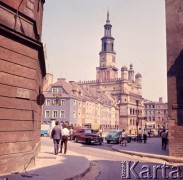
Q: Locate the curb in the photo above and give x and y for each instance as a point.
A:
(79, 176)
(159, 157)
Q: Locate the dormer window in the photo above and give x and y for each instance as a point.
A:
(54, 90)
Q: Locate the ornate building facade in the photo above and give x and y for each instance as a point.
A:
(126, 89)
(156, 115)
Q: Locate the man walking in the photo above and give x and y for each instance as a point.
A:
(56, 135)
(164, 137)
(65, 134)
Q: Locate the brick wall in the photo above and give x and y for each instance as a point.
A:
(174, 26)
(22, 70)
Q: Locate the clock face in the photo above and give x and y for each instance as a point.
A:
(109, 41)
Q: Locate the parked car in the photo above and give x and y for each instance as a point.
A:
(113, 136)
(45, 128)
(87, 135)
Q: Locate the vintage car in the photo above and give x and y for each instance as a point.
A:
(113, 136)
(88, 136)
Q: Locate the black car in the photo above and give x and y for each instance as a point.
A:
(114, 135)
(88, 136)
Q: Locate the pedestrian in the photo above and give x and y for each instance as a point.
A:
(123, 139)
(164, 138)
(139, 136)
(56, 135)
(145, 136)
(65, 135)
(149, 133)
(100, 132)
(71, 131)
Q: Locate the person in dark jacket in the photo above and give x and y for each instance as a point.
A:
(56, 135)
(164, 138)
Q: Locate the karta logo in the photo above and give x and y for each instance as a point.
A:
(164, 171)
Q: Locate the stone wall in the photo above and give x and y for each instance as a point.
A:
(174, 29)
(22, 69)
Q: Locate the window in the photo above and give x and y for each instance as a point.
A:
(74, 102)
(54, 90)
(54, 102)
(74, 114)
(62, 102)
(55, 114)
(47, 114)
(60, 90)
(105, 46)
(48, 102)
(62, 114)
(130, 111)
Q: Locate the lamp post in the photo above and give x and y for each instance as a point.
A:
(137, 120)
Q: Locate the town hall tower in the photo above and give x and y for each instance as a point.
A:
(107, 69)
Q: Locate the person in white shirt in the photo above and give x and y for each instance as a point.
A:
(65, 134)
(123, 139)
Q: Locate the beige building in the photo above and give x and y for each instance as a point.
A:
(126, 88)
(156, 114)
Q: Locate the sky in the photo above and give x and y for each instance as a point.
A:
(72, 32)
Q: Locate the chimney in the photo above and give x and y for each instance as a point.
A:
(59, 79)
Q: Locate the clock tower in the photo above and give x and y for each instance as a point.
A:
(107, 67)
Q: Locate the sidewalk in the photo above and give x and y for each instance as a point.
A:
(152, 149)
(57, 167)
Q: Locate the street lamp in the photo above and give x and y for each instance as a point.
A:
(137, 120)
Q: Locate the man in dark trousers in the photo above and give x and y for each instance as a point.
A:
(56, 135)
(164, 138)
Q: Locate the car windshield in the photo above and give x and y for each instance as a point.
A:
(88, 131)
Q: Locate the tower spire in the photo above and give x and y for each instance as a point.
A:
(108, 21)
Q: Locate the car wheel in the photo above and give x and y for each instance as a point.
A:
(108, 141)
(76, 139)
(100, 143)
(88, 141)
